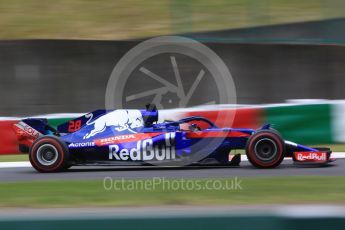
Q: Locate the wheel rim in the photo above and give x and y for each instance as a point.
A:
(265, 149)
(47, 154)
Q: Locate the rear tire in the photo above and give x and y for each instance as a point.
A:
(49, 154)
(265, 149)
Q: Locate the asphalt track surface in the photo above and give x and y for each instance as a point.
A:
(336, 168)
(180, 211)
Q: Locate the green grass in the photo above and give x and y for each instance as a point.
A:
(14, 157)
(334, 147)
(124, 19)
(278, 190)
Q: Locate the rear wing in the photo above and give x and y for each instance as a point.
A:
(28, 130)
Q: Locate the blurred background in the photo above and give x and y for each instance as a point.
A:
(121, 20)
(287, 61)
(57, 57)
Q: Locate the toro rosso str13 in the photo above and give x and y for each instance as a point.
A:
(134, 137)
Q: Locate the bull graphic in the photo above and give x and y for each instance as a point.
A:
(120, 119)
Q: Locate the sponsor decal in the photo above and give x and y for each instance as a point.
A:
(311, 156)
(81, 144)
(145, 150)
(120, 119)
(115, 139)
(27, 129)
(33, 132)
(125, 138)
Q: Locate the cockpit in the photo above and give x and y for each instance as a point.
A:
(193, 124)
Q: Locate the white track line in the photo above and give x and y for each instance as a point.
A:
(26, 164)
(18, 164)
(338, 155)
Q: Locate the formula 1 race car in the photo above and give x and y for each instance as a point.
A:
(134, 137)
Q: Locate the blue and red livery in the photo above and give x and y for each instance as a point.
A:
(134, 137)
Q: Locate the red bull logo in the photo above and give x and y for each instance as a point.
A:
(120, 119)
(145, 150)
(311, 156)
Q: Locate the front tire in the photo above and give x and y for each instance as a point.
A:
(48, 154)
(265, 149)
